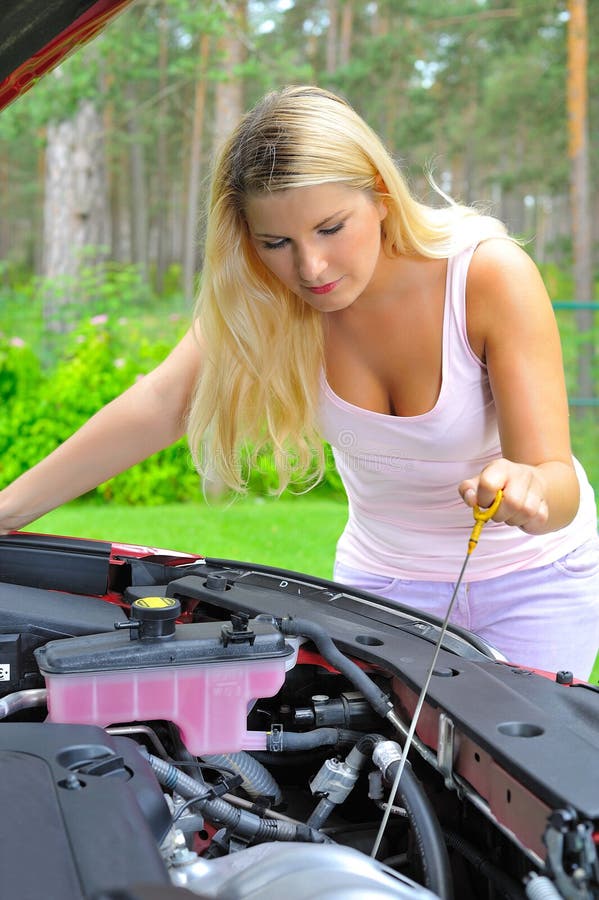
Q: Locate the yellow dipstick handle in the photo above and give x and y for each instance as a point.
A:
(480, 517)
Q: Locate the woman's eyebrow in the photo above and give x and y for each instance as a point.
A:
(334, 215)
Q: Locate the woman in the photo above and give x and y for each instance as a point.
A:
(419, 341)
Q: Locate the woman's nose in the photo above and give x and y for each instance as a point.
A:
(310, 264)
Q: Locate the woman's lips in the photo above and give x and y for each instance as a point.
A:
(324, 288)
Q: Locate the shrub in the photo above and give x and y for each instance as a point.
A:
(40, 408)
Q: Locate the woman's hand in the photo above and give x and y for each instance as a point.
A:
(12, 522)
(524, 487)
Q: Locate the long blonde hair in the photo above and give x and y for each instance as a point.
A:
(262, 345)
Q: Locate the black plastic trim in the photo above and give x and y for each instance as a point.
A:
(72, 565)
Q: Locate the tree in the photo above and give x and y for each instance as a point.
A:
(477, 89)
(76, 218)
(578, 152)
(228, 101)
(162, 174)
(190, 252)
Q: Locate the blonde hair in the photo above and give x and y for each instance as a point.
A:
(262, 345)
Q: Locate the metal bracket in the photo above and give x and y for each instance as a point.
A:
(445, 750)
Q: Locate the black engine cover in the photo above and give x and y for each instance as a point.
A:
(82, 813)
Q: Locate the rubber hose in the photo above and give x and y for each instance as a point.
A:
(181, 755)
(291, 758)
(310, 740)
(13, 703)
(541, 888)
(245, 824)
(326, 647)
(257, 780)
(367, 742)
(426, 829)
(506, 886)
(303, 757)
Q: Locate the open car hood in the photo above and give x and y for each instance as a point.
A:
(35, 36)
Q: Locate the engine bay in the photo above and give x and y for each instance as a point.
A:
(176, 726)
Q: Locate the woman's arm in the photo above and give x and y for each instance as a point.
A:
(147, 417)
(512, 327)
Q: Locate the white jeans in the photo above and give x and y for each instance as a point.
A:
(545, 618)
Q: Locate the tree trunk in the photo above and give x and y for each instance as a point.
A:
(120, 216)
(345, 39)
(228, 98)
(578, 152)
(228, 109)
(332, 37)
(76, 214)
(190, 255)
(161, 217)
(138, 200)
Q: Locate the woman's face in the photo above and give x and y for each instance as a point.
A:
(322, 242)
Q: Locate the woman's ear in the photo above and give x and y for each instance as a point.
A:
(380, 197)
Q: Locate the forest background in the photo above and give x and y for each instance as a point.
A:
(104, 169)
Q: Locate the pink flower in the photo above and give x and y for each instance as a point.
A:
(102, 319)
(17, 342)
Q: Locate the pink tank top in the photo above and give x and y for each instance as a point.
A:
(401, 473)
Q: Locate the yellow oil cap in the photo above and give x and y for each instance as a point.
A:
(154, 618)
(155, 603)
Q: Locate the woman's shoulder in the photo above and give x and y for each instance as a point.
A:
(498, 263)
(505, 293)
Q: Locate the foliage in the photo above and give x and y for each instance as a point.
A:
(477, 85)
(102, 357)
(113, 291)
(584, 430)
(40, 409)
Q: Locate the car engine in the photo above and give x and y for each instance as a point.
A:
(175, 726)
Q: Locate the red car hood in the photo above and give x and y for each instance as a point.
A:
(35, 37)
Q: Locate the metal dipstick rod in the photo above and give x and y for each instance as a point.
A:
(481, 516)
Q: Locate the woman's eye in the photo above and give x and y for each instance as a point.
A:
(275, 245)
(332, 230)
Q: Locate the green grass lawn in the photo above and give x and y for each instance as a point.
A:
(297, 533)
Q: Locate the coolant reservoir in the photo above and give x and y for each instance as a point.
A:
(203, 677)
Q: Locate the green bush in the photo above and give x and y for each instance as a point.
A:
(40, 408)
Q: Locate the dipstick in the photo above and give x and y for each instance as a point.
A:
(481, 516)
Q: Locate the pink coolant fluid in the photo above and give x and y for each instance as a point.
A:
(196, 676)
(208, 702)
